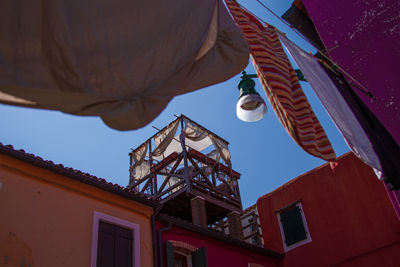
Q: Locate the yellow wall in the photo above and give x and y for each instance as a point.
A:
(46, 219)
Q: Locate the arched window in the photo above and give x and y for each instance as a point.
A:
(181, 254)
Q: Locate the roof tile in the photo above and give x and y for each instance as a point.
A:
(78, 175)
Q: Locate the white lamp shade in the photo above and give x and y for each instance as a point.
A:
(251, 108)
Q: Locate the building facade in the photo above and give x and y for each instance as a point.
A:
(196, 246)
(332, 217)
(251, 228)
(56, 216)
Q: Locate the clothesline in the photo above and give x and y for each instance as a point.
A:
(281, 85)
(363, 89)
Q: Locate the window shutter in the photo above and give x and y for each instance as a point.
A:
(293, 226)
(170, 254)
(105, 247)
(123, 247)
(115, 246)
(199, 258)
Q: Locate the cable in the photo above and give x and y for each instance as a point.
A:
(287, 24)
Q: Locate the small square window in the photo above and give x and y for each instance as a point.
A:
(293, 226)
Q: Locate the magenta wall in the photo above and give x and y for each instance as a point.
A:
(218, 253)
(363, 37)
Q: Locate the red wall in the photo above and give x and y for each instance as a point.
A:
(349, 215)
(219, 253)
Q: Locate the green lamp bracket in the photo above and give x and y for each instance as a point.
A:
(246, 84)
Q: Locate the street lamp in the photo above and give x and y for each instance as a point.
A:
(250, 106)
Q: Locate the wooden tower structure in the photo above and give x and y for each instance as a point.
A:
(188, 169)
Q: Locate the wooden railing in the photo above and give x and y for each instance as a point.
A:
(205, 175)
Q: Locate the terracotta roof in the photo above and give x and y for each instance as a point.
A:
(77, 175)
(217, 235)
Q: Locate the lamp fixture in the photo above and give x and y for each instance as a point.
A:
(250, 106)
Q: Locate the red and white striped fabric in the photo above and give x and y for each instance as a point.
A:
(281, 85)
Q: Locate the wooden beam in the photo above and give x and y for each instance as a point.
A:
(172, 188)
(199, 170)
(216, 192)
(177, 193)
(138, 182)
(169, 176)
(165, 162)
(216, 202)
(206, 160)
(146, 184)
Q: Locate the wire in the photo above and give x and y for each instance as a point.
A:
(286, 23)
(363, 89)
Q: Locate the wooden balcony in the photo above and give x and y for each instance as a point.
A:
(178, 178)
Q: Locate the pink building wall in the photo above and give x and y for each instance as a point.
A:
(219, 253)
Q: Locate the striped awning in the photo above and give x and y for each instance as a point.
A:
(281, 84)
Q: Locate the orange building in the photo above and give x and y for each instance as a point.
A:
(332, 217)
(51, 215)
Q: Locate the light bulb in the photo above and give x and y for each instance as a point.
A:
(251, 108)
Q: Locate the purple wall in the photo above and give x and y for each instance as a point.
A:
(363, 37)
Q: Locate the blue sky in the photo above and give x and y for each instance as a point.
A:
(262, 152)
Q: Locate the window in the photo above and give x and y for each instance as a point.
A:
(293, 226)
(180, 254)
(252, 228)
(115, 242)
(181, 260)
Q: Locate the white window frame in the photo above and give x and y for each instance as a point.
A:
(308, 235)
(97, 217)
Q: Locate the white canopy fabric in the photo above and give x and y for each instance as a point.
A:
(120, 60)
(167, 142)
(222, 148)
(164, 138)
(140, 167)
(195, 137)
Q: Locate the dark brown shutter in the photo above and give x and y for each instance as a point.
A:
(199, 258)
(170, 254)
(115, 246)
(123, 248)
(293, 226)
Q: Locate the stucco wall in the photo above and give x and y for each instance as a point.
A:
(46, 219)
(363, 37)
(218, 253)
(349, 215)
